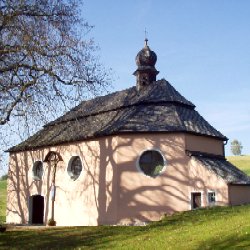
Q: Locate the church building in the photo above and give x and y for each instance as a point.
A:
(127, 157)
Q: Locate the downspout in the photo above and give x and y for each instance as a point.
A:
(224, 144)
(228, 184)
(229, 196)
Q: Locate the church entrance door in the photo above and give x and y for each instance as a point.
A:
(36, 209)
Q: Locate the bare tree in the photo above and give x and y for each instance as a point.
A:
(46, 61)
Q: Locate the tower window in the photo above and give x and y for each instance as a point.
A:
(144, 80)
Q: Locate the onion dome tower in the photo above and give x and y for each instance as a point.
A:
(146, 72)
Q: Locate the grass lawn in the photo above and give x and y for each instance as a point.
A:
(2, 200)
(214, 228)
(242, 162)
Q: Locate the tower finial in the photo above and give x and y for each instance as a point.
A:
(146, 39)
(146, 71)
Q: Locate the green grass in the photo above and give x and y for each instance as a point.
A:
(214, 228)
(3, 193)
(242, 162)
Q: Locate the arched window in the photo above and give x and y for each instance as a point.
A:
(74, 167)
(151, 163)
(37, 170)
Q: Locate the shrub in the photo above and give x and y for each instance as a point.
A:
(4, 177)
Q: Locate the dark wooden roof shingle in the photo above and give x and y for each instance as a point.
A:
(222, 168)
(156, 108)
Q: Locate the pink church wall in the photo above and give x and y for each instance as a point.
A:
(145, 198)
(111, 189)
(85, 201)
(204, 181)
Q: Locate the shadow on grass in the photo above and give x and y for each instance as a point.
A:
(66, 238)
(230, 242)
(193, 217)
(107, 237)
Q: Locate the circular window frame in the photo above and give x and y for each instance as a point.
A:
(72, 158)
(35, 177)
(164, 162)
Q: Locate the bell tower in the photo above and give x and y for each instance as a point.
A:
(146, 72)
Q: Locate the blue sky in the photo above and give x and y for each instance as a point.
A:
(203, 50)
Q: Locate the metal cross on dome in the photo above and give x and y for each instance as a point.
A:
(146, 35)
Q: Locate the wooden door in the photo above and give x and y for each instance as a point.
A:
(37, 209)
(196, 200)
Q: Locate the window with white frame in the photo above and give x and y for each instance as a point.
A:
(211, 197)
(37, 170)
(74, 167)
(151, 162)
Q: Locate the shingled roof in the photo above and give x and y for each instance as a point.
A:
(155, 108)
(222, 168)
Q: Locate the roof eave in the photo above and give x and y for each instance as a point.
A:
(238, 183)
(115, 133)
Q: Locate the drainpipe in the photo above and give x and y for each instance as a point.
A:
(224, 144)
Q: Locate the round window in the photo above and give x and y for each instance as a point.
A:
(37, 170)
(151, 163)
(75, 167)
